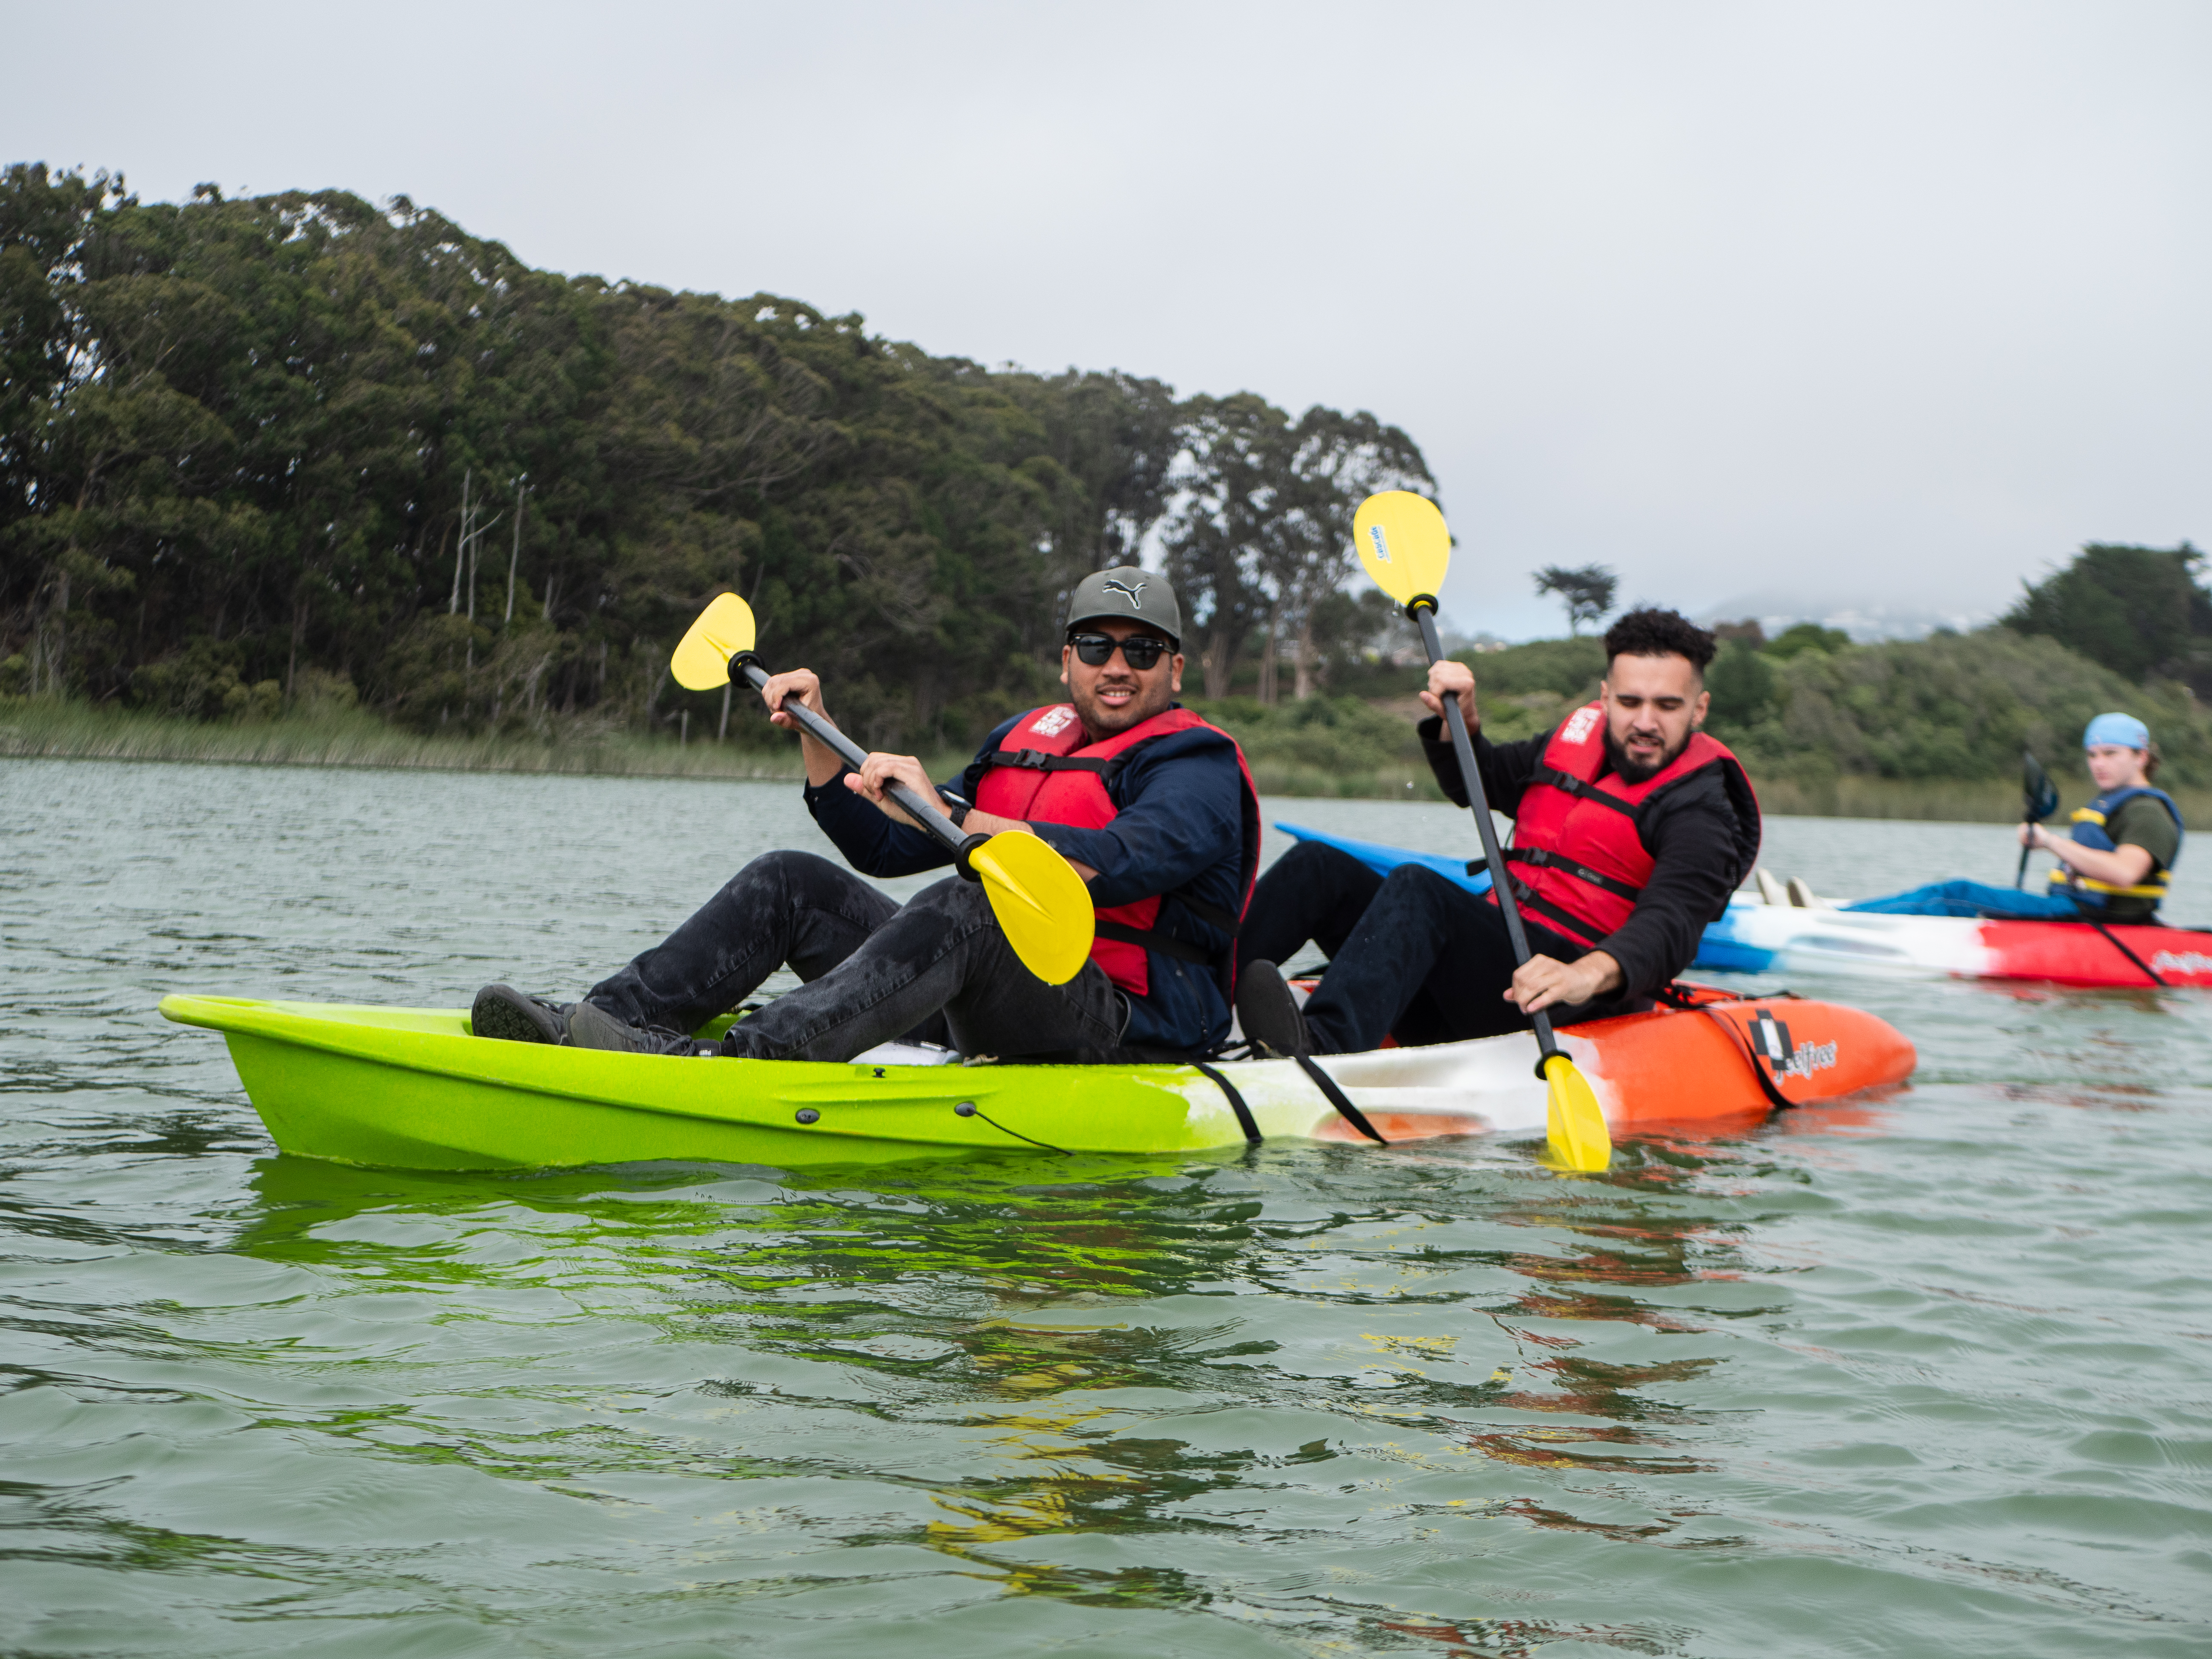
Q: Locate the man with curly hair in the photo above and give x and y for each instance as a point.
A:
(1631, 827)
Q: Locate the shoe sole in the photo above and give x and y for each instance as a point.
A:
(520, 1020)
(1267, 1001)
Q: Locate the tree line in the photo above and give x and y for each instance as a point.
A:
(2116, 627)
(259, 452)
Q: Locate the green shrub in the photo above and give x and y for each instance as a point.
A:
(1742, 683)
(1566, 668)
(205, 681)
(1954, 708)
(1806, 636)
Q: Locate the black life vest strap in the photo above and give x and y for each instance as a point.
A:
(1558, 920)
(1543, 859)
(1151, 940)
(1244, 1118)
(1575, 787)
(1336, 1097)
(1212, 915)
(1035, 760)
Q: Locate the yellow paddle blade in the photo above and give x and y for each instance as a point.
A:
(1403, 543)
(1040, 902)
(1574, 1124)
(702, 656)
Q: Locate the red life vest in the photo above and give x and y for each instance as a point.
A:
(1053, 777)
(1578, 858)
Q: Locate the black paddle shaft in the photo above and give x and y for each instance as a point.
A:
(2038, 801)
(931, 817)
(1423, 610)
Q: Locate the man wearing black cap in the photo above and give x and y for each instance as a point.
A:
(1152, 806)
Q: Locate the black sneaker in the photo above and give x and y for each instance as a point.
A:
(502, 1011)
(1267, 1011)
(591, 1026)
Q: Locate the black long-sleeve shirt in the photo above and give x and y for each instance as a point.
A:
(1691, 831)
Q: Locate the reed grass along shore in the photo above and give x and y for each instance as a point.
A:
(1325, 765)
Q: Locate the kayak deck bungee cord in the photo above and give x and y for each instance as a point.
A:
(410, 1088)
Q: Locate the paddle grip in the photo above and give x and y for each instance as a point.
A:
(1423, 611)
(746, 667)
(960, 856)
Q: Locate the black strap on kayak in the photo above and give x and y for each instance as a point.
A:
(1781, 1100)
(1244, 1119)
(1336, 1097)
(2114, 940)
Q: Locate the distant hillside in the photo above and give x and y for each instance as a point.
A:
(1950, 707)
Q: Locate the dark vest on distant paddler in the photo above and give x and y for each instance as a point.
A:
(2090, 830)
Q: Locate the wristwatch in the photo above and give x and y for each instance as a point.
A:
(958, 813)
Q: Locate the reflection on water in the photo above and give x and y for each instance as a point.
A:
(1922, 1375)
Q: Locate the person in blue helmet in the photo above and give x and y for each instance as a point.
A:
(2116, 866)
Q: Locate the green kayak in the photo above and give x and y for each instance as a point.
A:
(410, 1088)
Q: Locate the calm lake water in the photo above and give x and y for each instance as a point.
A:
(1922, 1376)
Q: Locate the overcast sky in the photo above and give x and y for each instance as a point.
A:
(1777, 307)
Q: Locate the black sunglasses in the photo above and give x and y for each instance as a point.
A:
(1139, 651)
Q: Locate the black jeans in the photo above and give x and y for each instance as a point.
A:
(1412, 954)
(935, 969)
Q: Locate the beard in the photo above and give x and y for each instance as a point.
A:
(1100, 721)
(1631, 771)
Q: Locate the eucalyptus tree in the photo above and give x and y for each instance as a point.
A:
(1261, 531)
(1587, 591)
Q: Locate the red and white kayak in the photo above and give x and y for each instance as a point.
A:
(1756, 937)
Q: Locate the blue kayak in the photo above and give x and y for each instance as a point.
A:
(1724, 948)
(1383, 859)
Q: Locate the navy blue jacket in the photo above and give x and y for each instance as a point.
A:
(1180, 824)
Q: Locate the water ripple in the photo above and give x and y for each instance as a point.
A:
(1920, 1375)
